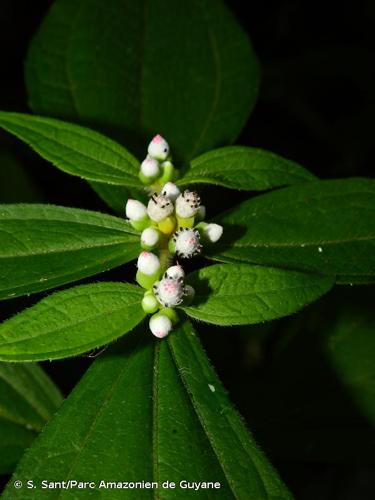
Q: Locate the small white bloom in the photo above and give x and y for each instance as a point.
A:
(158, 148)
(171, 191)
(148, 263)
(175, 272)
(213, 232)
(160, 325)
(135, 210)
(169, 292)
(159, 207)
(186, 242)
(150, 167)
(187, 204)
(150, 237)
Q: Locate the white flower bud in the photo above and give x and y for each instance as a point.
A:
(135, 210)
(213, 232)
(160, 325)
(159, 207)
(186, 242)
(158, 148)
(150, 237)
(187, 204)
(171, 191)
(175, 272)
(148, 263)
(169, 292)
(150, 167)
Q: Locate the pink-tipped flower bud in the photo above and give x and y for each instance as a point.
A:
(158, 148)
(160, 325)
(135, 210)
(148, 263)
(186, 242)
(159, 207)
(171, 191)
(169, 292)
(175, 272)
(150, 168)
(187, 204)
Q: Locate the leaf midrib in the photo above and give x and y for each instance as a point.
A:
(77, 152)
(220, 459)
(68, 249)
(217, 65)
(76, 323)
(94, 423)
(27, 218)
(302, 244)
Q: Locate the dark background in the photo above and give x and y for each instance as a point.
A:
(317, 107)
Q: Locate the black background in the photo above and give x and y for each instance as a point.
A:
(316, 106)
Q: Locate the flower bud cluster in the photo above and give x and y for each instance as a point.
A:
(172, 226)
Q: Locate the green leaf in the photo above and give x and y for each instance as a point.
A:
(239, 294)
(71, 322)
(244, 465)
(42, 246)
(351, 350)
(239, 167)
(321, 226)
(28, 399)
(73, 149)
(132, 412)
(183, 69)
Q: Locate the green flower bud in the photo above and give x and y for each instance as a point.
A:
(150, 238)
(149, 302)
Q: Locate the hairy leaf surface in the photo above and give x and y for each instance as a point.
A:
(76, 150)
(239, 294)
(238, 454)
(239, 167)
(134, 411)
(322, 226)
(71, 322)
(183, 69)
(43, 246)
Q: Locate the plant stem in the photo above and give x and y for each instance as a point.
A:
(164, 255)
